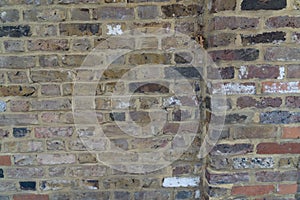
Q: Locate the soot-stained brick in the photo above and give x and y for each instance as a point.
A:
(15, 31)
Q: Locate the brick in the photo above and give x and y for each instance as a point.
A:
(17, 77)
(293, 71)
(263, 5)
(149, 58)
(229, 178)
(15, 31)
(18, 119)
(292, 102)
(183, 195)
(23, 146)
(50, 76)
(179, 10)
(53, 132)
(4, 197)
(80, 29)
(90, 195)
(5, 161)
(1, 173)
(219, 5)
(275, 148)
(87, 171)
(280, 87)
(46, 30)
(183, 57)
(163, 195)
(80, 14)
(185, 27)
(50, 90)
(247, 102)
(55, 145)
(181, 182)
(9, 16)
(49, 185)
(249, 132)
(57, 171)
(117, 13)
(3, 106)
(283, 21)
(48, 45)
(72, 60)
(253, 163)
(27, 185)
(48, 15)
(81, 45)
(279, 117)
(260, 71)
(147, 12)
(296, 38)
(233, 23)
(55, 159)
(90, 184)
(237, 54)
(227, 149)
(19, 106)
(234, 88)
(221, 39)
(216, 191)
(78, 1)
(20, 132)
(143, 1)
(282, 54)
(48, 61)
(6, 186)
(17, 62)
(14, 46)
(182, 72)
(291, 133)
(219, 162)
(30, 197)
(276, 176)
(121, 195)
(86, 158)
(271, 37)
(141, 87)
(4, 133)
(24, 160)
(254, 190)
(287, 188)
(58, 104)
(27, 172)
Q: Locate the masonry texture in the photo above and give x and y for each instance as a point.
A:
(255, 45)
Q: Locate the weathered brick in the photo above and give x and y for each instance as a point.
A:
(17, 77)
(220, 73)
(4, 197)
(216, 191)
(41, 15)
(87, 171)
(186, 27)
(57, 171)
(78, 1)
(18, 119)
(55, 145)
(30, 197)
(247, 132)
(80, 29)
(281, 87)
(149, 58)
(279, 117)
(49, 185)
(6, 186)
(50, 90)
(237, 54)
(17, 62)
(28, 172)
(163, 195)
(292, 101)
(247, 102)
(80, 14)
(293, 71)
(9, 16)
(179, 10)
(219, 162)
(147, 12)
(19, 106)
(291, 133)
(121, 195)
(234, 88)
(20, 132)
(4, 133)
(58, 104)
(221, 39)
(283, 21)
(45, 30)
(52, 132)
(271, 37)
(117, 13)
(144, 87)
(184, 195)
(296, 37)
(87, 158)
(282, 54)
(219, 5)
(81, 45)
(263, 5)
(50, 76)
(27, 185)
(24, 160)
(233, 23)
(228, 178)
(48, 45)
(275, 148)
(48, 61)
(261, 72)
(255, 190)
(15, 31)
(227, 149)
(54, 159)
(14, 45)
(23, 146)
(182, 72)
(287, 188)
(253, 163)
(276, 176)
(91, 195)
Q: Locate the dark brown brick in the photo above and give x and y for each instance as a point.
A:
(220, 5)
(238, 54)
(117, 13)
(148, 88)
(276, 176)
(227, 149)
(179, 10)
(272, 37)
(48, 45)
(221, 39)
(228, 178)
(246, 132)
(261, 72)
(283, 21)
(80, 14)
(233, 23)
(220, 73)
(80, 29)
(149, 58)
(50, 76)
(17, 91)
(263, 5)
(276, 148)
(247, 102)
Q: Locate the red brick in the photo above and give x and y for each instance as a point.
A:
(236, 54)
(287, 189)
(5, 161)
(30, 197)
(275, 148)
(291, 133)
(281, 87)
(255, 190)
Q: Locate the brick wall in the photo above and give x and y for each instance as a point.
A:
(256, 43)
(49, 86)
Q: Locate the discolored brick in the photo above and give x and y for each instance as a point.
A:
(14, 46)
(9, 16)
(263, 5)
(80, 29)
